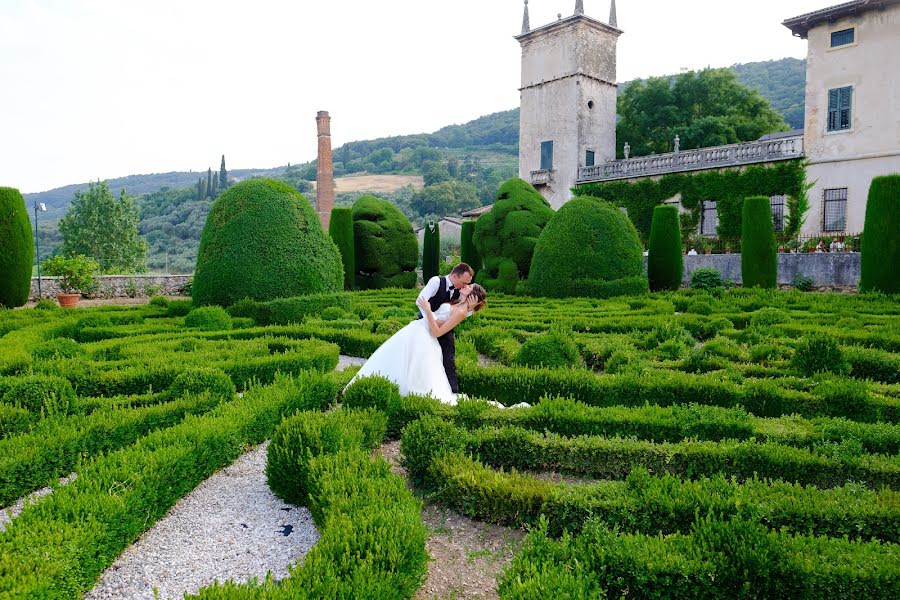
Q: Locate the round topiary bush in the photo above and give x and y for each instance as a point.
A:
(553, 349)
(664, 261)
(41, 394)
(386, 246)
(819, 353)
(589, 248)
(881, 244)
(16, 249)
(208, 318)
(340, 228)
(371, 392)
(759, 253)
(706, 278)
(468, 253)
(200, 380)
(509, 233)
(263, 240)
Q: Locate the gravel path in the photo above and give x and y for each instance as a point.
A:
(230, 527)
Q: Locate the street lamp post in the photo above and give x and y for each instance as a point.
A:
(38, 206)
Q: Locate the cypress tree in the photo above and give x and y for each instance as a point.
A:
(209, 184)
(340, 228)
(431, 251)
(223, 176)
(204, 190)
(664, 263)
(881, 240)
(468, 252)
(199, 188)
(345, 156)
(16, 249)
(215, 188)
(759, 258)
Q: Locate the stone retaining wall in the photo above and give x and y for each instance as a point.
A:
(120, 286)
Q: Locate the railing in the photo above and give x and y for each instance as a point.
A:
(695, 160)
(542, 177)
(839, 242)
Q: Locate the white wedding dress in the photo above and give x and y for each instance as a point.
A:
(412, 359)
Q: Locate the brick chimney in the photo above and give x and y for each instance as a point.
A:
(325, 174)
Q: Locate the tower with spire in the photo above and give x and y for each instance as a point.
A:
(567, 116)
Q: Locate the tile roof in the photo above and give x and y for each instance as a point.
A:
(800, 25)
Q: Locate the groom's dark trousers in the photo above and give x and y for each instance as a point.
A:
(446, 341)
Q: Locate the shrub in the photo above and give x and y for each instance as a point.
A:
(77, 274)
(293, 310)
(57, 348)
(334, 313)
(764, 317)
(371, 392)
(42, 394)
(160, 301)
(699, 307)
(340, 228)
(819, 353)
(196, 381)
(509, 233)
(802, 283)
(247, 308)
(553, 349)
(208, 318)
(16, 249)
(46, 304)
(180, 308)
(14, 419)
(759, 258)
(468, 253)
(881, 248)
(425, 439)
(588, 246)
(263, 239)
(665, 265)
(431, 250)
(386, 246)
(389, 327)
(706, 278)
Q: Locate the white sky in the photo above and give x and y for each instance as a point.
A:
(105, 88)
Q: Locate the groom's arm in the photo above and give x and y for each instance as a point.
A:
(430, 289)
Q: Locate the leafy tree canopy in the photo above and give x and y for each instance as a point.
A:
(704, 108)
(103, 228)
(445, 198)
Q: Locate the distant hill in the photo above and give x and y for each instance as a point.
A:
(482, 152)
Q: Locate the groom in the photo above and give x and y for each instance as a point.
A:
(437, 291)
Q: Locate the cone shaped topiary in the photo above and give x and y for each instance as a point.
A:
(510, 231)
(589, 249)
(386, 246)
(665, 266)
(881, 237)
(263, 240)
(340, 228)
(16, 249)
(431, 251)
(759, 258)
(468, 252)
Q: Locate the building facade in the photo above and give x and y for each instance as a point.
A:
(852, 128)
(568, 100)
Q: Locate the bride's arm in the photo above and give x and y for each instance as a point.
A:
(439, 329)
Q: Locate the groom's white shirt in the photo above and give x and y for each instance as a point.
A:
(431, 288)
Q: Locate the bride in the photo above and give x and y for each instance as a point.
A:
(412, 357)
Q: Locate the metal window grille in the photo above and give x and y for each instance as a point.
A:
(777, 204)
(842, 37)
(589, 158)
(834, 211)
(546, 156)
(839, 104)
(709, 219)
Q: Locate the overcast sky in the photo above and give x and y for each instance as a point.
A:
(106, 88)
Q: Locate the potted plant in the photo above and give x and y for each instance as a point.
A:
(76, 274)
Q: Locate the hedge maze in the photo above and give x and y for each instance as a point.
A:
(722, 443)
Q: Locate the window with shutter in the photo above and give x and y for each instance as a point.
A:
(843, 37)
(839, 108)
(589, 158)
(546, 156)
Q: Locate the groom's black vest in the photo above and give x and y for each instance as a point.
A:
(442, 296)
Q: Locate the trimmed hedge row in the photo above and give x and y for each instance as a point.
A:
(614, 458)
(372, 542)
(59, 546)
(763, 398)
(732, 559)
(663, 504)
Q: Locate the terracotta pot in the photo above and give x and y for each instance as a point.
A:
(707, 251)
(68, 300)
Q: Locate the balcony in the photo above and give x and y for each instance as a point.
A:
(542, 177)
(714, 157)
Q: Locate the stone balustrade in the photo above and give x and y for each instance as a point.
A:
(714, 157)
(542, 177)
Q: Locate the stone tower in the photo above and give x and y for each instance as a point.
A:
(325, 173)
(567, 114)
